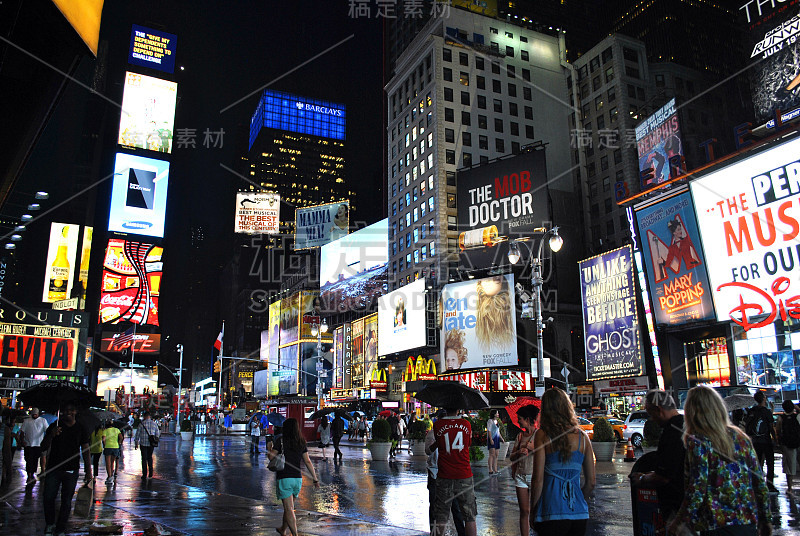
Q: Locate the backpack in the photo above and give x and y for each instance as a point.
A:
(757, 426)
(790, 432)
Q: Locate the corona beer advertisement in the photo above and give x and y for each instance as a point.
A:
(479, 328)
(60, 264)
(139, 195)
(675, 266)
(658, 142)
(610, 319)
(749, 219)
(257, 213)
(148, 113)
(131, 283)
(320, 225)
(402, 319)
(152, 48)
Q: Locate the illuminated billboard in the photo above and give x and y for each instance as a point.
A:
(257, 213)
(290, 319)
(86, 253)
(401, 319)
(273, 333)
(289, 370)
(370, 346)
(507, 198)
(610, 318)
(293, 113)
(60, 263)
(148, 113)
(357, 356)
(676, 269)
(152, 48)
(658, 142)
(113, 378)
(311, 313)
(353, 270)
(40, 347)
(139, 195)
(479, 328)
(84, 16)
(143, 343)
(131, 283)
(749, 219)
(320, 225)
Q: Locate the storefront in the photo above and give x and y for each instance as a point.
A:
(623, 395)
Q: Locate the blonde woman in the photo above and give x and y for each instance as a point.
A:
(455, 354)
(562, 452)
(493, 326)
(725, 489)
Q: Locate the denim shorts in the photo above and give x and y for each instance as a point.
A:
(493, 442)
(111, 452)
(288, 486)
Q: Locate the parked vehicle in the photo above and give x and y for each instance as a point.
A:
(616, 424)
(634, 427)
(586, 425)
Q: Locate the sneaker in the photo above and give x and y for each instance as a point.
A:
(110, 480)
(115, 477)
(49, 529)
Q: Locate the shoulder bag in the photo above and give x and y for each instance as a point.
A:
(277, 463)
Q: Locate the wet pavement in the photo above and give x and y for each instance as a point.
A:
(213, 486)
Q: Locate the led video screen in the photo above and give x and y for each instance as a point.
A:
(139, 195)
(147, 120)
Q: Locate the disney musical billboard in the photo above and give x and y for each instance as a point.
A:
(675, 267)
(748, 214)
(610, 318)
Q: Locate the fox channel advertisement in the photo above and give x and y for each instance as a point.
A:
(610, 320)
(479, 324)
(139, 195)
(773, 28)
(507, 198)
(320, 225)
(676, 270)
(749, 219)
(658, 142)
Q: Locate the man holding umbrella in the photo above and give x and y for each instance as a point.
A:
(65, 441)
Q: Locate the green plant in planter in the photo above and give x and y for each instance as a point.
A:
(652, 433)
(479, 429)
(417, 431)
(381, 431)
(603, 433)
(475, 454)
(187, 426)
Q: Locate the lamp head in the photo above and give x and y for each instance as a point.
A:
(513, 252)
(324, 326)
(556, 241)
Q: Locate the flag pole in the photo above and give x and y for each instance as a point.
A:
(133, 359)
(219, 381)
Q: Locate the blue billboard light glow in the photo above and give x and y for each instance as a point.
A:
(293, 113)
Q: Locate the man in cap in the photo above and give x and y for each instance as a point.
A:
(33, 430)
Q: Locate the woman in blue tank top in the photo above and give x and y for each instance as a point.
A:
(562, 452)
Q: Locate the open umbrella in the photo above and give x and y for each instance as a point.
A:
(49, 395)
(357, 414)
(444, 394)
(327, 411)
(105, 415)
(734, 402)
(515, 406)
(88, 420)
(385, 413)
(275, 419)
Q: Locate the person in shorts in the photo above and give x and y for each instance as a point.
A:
(788, 447)
(453, 437)
(112, 439)
(522, 464)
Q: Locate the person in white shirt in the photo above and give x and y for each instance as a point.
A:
(33, 430)
(255, 434)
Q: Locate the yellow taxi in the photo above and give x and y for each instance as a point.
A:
(617, 425)
(587, 426)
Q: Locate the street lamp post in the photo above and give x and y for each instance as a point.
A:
(180, 385)
(319, 329)
(514, 256)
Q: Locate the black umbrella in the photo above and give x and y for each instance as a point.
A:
(444, 394)
(327, 411)
(50, 395)
(88, 420)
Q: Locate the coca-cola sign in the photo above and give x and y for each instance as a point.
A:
(131, 283)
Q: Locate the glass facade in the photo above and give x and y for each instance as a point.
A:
(769, 357)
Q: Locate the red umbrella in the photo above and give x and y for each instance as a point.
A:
(515, 406)
(386, 413)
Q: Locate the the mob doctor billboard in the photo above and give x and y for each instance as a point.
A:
(749, 219)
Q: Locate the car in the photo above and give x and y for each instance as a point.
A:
(586, 425)
(616, 424)
(634, 427)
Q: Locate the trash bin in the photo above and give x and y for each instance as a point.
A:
(647, 520)
(172, 427)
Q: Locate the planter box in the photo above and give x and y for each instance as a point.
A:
(504, 448)
(380, 451)
(418, 448)
(603, 452)
(186, 436)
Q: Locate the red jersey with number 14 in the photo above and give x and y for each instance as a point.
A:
(453, 438)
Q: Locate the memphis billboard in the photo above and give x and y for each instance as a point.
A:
(320, 225)
(131, 283)
(507, 198)
(749, 219)
(152, 48)
(293, 113)
(658, 142)
(148, 113)
(610, 318)
(402, 319)
(139, 195)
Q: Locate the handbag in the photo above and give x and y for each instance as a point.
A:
(84, 501)
(153, 440)
(277, 463)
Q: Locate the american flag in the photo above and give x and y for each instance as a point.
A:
(126, 337)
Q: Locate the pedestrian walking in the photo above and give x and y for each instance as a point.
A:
(789, 439)
(147, 434)
(668, 476)
(16, 441)
(562, 453)
(33, 430)
(255, 435)
(65, 442)
(362, 428)
(324, 430)
(337, 431)
(395, 437)
(494, 437)
(96, 448)
(522, 464)
(725, 490)
(290, 479)
(453, 437)
(433, 469)
(6, 441)
(112, 439)
(761, 429)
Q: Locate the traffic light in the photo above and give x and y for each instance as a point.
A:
(217, 366)
(155, 370)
